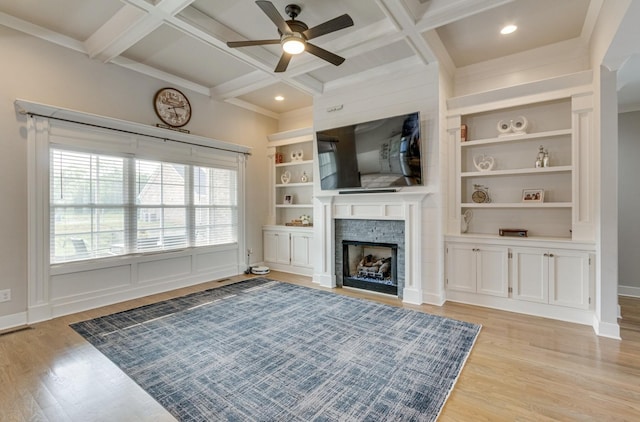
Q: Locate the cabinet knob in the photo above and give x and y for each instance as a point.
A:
(546, 254)
(551, 255)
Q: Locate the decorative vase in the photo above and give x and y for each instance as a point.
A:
(483, 162)
(297, 155)
(465, 220)
(304, 178)
(519, 125)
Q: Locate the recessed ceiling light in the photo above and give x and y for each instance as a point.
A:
(508, 29)
(279, 98)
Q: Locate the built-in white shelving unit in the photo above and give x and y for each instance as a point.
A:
(550, 271)
(291, 157)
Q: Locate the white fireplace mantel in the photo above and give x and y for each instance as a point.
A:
(405, 206)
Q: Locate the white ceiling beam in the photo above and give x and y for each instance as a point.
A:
(440, 51)
(442, 12)
(397, 11)
(387, 69)
(134, 21)
(40, 32)
(161, 75)
(590, 20)
(252, 107)
(242, 85)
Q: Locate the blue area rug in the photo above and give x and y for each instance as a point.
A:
(261, 350)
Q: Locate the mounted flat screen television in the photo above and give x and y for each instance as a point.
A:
(379, 154)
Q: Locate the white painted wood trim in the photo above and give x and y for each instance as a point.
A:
(28, 107)
(13, 321)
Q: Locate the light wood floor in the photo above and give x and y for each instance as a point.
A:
(521, 369)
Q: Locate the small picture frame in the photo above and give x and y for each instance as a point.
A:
(533, 195)
(288, 199)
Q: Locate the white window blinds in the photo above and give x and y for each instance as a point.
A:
(103, 205)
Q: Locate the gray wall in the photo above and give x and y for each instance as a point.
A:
(38, 71)
(629, 203)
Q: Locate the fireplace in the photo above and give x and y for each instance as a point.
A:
(370, 266)
(378, 218)
(368, 235)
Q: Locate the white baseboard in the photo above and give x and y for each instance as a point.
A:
(433, 299)
(412, 296)
(13, 320)
(629, 291)
(606, 329)
(325, 280)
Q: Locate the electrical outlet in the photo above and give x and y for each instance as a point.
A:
(5, 295)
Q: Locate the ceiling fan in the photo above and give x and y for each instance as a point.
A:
(295, 35)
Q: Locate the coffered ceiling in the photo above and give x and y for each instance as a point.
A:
(183, 42)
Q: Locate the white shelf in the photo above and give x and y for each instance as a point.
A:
(517, 205)
(294, 163)
(284, 185)
(516, 137)
(294, 206)
(543, 170)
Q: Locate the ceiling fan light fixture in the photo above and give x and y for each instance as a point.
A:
(292, 43)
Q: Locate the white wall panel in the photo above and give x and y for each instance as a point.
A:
(168, 268)
(214, 260)
(90, 281)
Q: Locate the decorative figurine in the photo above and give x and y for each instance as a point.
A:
(545, 160)
(540, 158)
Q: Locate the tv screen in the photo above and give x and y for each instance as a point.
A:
(378, 154)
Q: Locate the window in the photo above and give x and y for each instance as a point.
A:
(102, 205)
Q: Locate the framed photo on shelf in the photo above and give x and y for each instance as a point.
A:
(288, 200)
(533, 195)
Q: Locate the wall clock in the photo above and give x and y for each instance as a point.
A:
(172, 107)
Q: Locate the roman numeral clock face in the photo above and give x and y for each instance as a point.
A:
(172, 107)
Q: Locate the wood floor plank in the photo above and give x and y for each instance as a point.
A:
(522, 368)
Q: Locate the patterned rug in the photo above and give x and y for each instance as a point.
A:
(261, 350)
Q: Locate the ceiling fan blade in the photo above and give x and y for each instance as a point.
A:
(235, 44)
(324, 54)
(270, 10)
(332, 25)
(283, 63)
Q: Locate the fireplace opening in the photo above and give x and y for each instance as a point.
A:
(370, 266)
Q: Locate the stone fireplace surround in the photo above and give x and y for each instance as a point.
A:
(403, 206)
(373, 231)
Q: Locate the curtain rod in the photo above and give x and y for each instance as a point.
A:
(131, 132)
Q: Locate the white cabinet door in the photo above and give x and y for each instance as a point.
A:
(530, 269)
(569, 279)
(270, 246)
(492, 270)
(301, 249)
(478, 269)
(557, 277)
(276, 247)
(461, 267)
